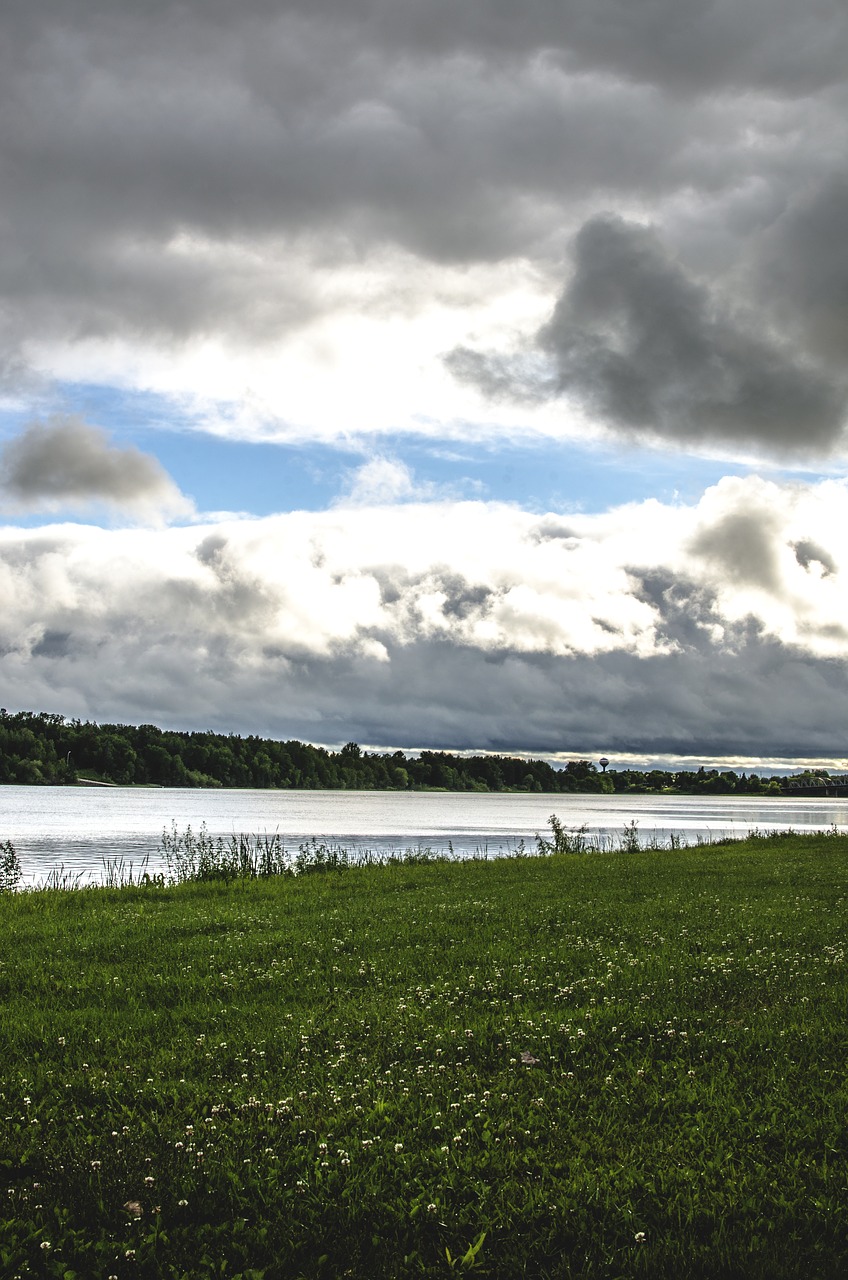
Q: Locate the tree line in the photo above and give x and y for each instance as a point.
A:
(47, 749)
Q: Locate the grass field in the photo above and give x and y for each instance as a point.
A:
(600, 1065)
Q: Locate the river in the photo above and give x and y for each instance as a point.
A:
(82, 829)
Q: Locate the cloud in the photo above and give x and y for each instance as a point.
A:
(454, 624)
(809, 553)
(67, 464)
(773, 44)
(380, 480)
(297, 208)
(648, 351)
(802, 269)
(742, 546)
(384, 481)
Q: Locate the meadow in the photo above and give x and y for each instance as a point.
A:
(583, 1064)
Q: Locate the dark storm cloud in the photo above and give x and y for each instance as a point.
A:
(463, 599)
(808, 553)
(803, 268)
(163, 164)
(650, 352)
(65, 462)
(53, 644)
(288, 133)
(781, 44)
(761, 698)
(742, 547)
(688, 610)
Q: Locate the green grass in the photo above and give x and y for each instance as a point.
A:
(607, 1065)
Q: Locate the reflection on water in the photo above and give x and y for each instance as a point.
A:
(81, 827)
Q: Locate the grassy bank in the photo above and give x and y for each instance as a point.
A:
(607, 1065)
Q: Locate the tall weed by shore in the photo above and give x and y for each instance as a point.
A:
(191, 856)
(10, 867)
(201, 856)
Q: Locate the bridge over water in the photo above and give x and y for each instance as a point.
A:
(836, 786)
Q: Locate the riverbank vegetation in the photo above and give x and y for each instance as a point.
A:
(580, 1064)
(41, 748)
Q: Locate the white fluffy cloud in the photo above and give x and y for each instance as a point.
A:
(462, 624)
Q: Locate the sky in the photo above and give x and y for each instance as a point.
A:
(429, 375)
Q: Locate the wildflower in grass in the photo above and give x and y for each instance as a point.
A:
(134, 1208)
(640, 1237)
(46, 1246)
(148, 1182)
(182, 1203)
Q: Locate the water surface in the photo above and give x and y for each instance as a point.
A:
(80, 828)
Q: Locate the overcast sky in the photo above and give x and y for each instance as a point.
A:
(429, 374)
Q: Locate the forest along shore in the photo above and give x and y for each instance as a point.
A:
(38, 748)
